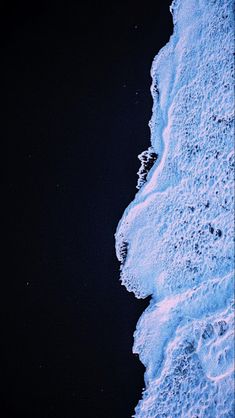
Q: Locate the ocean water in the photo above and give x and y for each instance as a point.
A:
(175, 241)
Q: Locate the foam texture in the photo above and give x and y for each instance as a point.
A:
(175, 241)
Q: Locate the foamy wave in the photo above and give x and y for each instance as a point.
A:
(175, 240)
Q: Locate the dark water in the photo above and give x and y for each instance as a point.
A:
(77, 80)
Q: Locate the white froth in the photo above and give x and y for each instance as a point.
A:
(175, 240)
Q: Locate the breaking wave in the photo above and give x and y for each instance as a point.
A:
(175, 240)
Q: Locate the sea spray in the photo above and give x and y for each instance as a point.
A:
(175, 241)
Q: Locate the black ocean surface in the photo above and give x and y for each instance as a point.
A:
(77, 78)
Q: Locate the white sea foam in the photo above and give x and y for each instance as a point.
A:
(175, 240)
